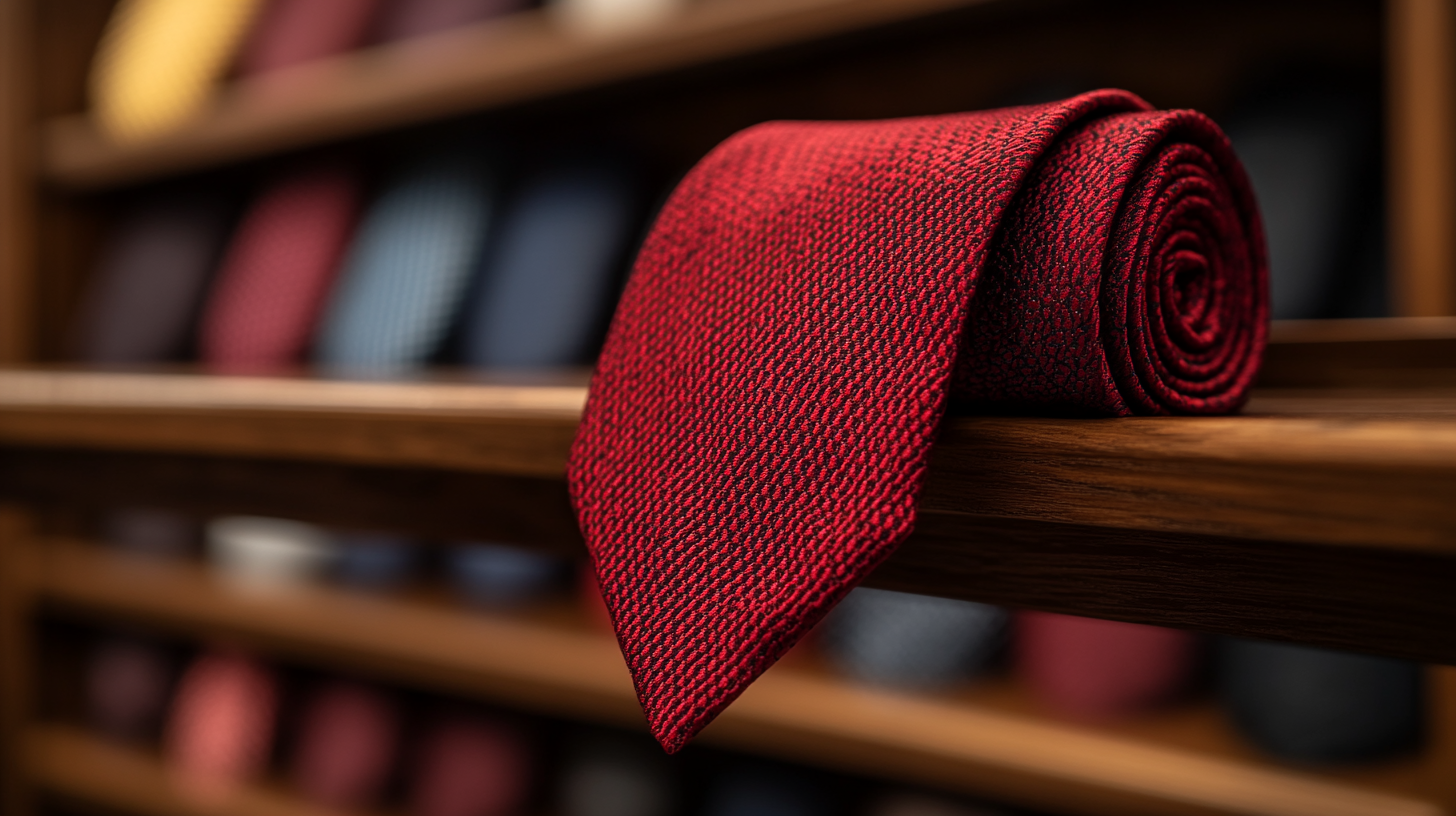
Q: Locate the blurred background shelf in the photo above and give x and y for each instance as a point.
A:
(75, 766)
(989, 739)
(494, 63)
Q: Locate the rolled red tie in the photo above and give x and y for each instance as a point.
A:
(814, 294)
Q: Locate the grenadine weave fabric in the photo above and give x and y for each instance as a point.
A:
(814, 295)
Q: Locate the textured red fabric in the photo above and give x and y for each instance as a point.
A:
(278, 269)
(761, 414)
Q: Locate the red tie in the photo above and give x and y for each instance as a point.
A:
(278, 269)
(763, 409)
(291, 32)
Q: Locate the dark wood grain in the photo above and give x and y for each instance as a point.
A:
(1363, 597)
(421, 501)
(989, 738)
(1357, 598)
(17, 179)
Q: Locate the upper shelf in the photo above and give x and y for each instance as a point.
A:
(487, 65)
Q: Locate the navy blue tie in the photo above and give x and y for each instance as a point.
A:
(549, 276)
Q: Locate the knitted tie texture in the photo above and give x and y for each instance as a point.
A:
(811, 298)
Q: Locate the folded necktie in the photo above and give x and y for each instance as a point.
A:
(221, 728)
(153, 272)
(552, 267)
(1319, 706)
(159, 59)
(814, 294)
(471, 767)
(407, 269)
(346, 746)
(1101, 670)
(126, 687)
(610, 775)
(900, 639)
(278, 270)
(290, 32)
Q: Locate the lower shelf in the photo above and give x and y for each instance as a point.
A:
(71, 764)
(989, 740)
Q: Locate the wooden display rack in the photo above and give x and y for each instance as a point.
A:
(1324, 514)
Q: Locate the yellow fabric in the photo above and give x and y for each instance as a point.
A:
(159, 60)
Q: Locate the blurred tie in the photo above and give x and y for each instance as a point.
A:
(547, 281)
(1093, 669)
(278, 270)
(346, 746)
(159, 59)
(145, 292)
(407, 270)
(126, 687)
(291, 32)
(415, 18)
(1320, 706)
(904, 640)
(221, 729)
(471, 767)
(615, 776)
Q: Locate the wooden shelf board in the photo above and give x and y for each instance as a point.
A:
(522, 427)
(977, 741)
(73, 764)
(1319, 515)
(1319, 466)
(484, 66)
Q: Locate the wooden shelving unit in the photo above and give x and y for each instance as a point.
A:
(488, 65)
(1209, 523)
(1323, 514)
(73, 765)
(987, 740)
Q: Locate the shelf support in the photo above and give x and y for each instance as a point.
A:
(17, 156)
(1421, 168)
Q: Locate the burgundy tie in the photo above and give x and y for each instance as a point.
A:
(346, 745)
(278, 268)
(291, 32)
(471, 767)
(1101, 670)
(814, 294)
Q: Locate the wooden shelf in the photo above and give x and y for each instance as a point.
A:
(1321, 515)
(484, 66)
(988, 740)
(521, 426)
(74, 765)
